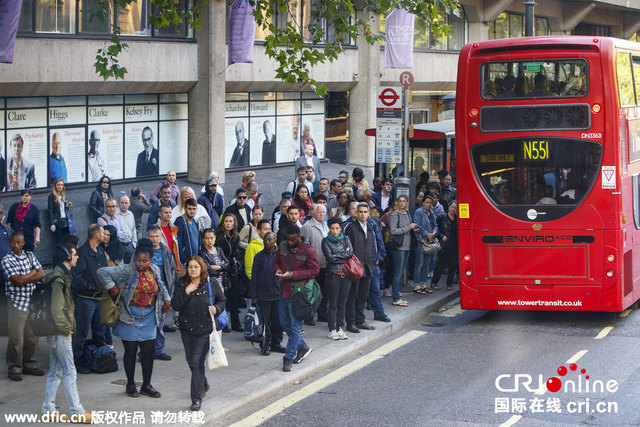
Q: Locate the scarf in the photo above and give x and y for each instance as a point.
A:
(21, 212)
(335, 239)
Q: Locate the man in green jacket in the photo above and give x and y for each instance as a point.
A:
(62, 365)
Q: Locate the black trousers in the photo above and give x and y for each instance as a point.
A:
(195, 350)
(449, 260)
(337, 287)
(271, 319)
(356, 301)
(129, 360)
(234, 302)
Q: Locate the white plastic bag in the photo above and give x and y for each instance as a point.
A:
(216, 356)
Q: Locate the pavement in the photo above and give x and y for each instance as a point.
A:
(250, 378)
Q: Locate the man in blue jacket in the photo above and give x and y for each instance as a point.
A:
(212, 201)
(265, 290)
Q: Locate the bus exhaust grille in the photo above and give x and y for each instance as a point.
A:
(535, 117)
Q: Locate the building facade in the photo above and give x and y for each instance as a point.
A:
(183, 108)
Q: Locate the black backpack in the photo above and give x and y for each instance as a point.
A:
(40, 318)
(99, 358)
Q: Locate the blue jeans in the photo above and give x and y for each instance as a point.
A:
(159, 345)
(422, 266)
(375, 299)
(61, 367)
(292, 326)
(87, 318)
(400, 259)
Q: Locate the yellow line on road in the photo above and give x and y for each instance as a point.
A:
(577, 356)
(626, 312)
(604, 332)
(511, 421)
(261, 416)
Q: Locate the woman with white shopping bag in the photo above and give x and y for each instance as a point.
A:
(197, 301)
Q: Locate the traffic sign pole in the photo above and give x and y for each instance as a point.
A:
(406, 131)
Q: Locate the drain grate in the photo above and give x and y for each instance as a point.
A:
(433, 324)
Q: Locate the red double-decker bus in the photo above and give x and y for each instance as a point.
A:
(548, 164)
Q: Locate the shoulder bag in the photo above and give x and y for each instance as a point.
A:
(221, 319)
(110, 309)
(353, 268)
(430, 248)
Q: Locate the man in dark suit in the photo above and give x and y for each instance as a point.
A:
(240, 208)
(384, 199)
(268, 145)
(240, 155)
(20, 171)
(363, 239)
(309, 159)
(148, 161)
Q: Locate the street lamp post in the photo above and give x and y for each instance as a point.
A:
(528, 17)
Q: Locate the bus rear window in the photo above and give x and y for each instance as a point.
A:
(564, 78)
(537, 171)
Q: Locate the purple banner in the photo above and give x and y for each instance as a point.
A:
(9, 18)
(242, 32)
(398, 49)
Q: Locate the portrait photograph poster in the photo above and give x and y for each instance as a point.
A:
(72, 146)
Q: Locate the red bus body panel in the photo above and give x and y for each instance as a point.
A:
(538, 265)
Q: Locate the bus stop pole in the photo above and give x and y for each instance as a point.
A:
(405, 160)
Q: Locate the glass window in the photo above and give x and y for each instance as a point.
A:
(293, 14)
(625, 79)
(92, 25)
(26, 17)
(456, 32)
(55, 16)
(515, 79)
(132, 19)
(172, 30)
(423, 37)
(542, 27)
(636, 73)
(537, 171)
(516, 28)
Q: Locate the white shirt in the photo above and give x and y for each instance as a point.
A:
(127, 233)
(364, 228)
(384, 201)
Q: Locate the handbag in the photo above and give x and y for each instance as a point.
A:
(222, 318)
(353, 268)
(216, 357)
(429, 248)
(110, 309)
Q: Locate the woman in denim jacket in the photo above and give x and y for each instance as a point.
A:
(426, 230)
(143, 301)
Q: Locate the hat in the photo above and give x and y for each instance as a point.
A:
(287, 195)
(211, 181)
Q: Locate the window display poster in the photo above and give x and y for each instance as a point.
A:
(27, 162)
(263, 140)
(3, 163)
(173, 146)
(141, 156)
(236, 142)
(66, 156)
(313, 131)
(288, 139)
(104, 155)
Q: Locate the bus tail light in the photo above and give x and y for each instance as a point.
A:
(609, 274)
(611, 257)
(473, 112)
(468, 273)
(467, 258)
(595, 108)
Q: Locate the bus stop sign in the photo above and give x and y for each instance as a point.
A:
(406, 79)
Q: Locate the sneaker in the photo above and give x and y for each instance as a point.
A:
(287, 364)
(341, 334)
(386, 293)
(334, 335)
(84, 418)
(302, 353)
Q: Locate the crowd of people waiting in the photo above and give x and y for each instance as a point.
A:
(198, 257)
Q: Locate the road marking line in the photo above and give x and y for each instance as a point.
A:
(278, 406)
(577, 356)
(604, 332)
(511, 421)
(626, 312)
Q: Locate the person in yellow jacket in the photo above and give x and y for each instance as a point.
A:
(256, 245)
